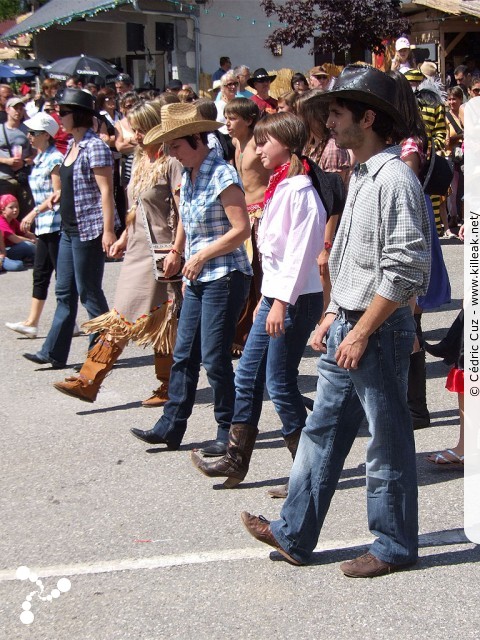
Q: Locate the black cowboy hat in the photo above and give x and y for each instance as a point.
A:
(367, 85)
(260, 74)
(78, 98)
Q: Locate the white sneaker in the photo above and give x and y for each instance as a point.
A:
(19, 327)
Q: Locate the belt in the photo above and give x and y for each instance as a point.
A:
(350, 316)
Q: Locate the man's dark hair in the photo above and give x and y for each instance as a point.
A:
(243, 108)
(75, 78)
(460, 69)
(383, 123)
(193, 140)
(224, 60)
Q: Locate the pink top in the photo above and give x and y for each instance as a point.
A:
(290, 237)
(412, 145)
(9, 228)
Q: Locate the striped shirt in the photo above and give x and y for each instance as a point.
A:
(204, 219)
(40, 181)
(383, 242)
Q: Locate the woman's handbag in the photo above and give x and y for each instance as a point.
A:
(439, 174)
(159, 251)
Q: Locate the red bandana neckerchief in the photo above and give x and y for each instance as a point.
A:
(279, 174)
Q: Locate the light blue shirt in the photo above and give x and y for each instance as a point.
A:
(204, 219)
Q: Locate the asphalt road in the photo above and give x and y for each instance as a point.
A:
(153, 550)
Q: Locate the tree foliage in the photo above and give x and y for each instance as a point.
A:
(9, 9)
(339, 25)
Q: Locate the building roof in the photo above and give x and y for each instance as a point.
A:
(60, 12)
(455, 7)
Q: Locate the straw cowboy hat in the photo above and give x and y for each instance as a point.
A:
(368, 85)
(179, 120)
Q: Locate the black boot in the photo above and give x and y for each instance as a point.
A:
(417, 391)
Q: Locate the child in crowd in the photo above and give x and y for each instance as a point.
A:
(241, 116)
(16, 246)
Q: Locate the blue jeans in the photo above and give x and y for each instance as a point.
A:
(377, 389)
(80, 268)
(206, 329)
(16, 254)
(274, 362)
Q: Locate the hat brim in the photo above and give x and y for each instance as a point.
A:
(77, 106)
(157, 134)
(366, 98)
(251, 81)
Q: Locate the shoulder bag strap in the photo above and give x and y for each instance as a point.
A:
(7, 141)
(454, 123)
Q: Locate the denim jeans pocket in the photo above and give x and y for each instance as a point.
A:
(403, 345)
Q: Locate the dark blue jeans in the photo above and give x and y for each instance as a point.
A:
(80, 268)
(377, 389)
(206, 329)
(274, 362)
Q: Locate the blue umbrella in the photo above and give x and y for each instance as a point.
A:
(7, 71)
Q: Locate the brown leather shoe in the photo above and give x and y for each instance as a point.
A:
(259, 528)
(368, 566)
(279, 492)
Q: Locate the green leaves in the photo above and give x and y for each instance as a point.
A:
(338, 25)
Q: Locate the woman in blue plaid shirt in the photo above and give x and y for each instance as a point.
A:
(213, 227)
(43, 180)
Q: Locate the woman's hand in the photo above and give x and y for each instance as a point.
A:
(275, 324)
(53, 199)
(320, 332)
(118, 248)
(27, 221)
(193, 267)
(257, 309)
(108, 240)
(322, 262)
(171, 264)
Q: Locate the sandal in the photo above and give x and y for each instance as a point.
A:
(441, 459)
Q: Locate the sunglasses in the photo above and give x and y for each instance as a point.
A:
(321, 77)
(64, 113)
(48, 110)
(110, 98)
(476, 91)
(35, 133)
(262, 80)
(231, 85)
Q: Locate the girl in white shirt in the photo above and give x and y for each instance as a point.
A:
(290, 237)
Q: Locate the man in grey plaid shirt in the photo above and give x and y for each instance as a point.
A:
(379, 262)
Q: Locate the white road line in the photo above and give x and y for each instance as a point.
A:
(226, 555)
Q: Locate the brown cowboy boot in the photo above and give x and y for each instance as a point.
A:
(159, 397)
(100, 360)
(234, 464)
(292, 445)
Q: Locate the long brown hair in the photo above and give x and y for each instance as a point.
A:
(287, 129)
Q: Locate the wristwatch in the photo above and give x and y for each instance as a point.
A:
(328, 246)
(37, 210)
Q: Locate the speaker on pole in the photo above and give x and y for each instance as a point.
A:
(135, 36)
